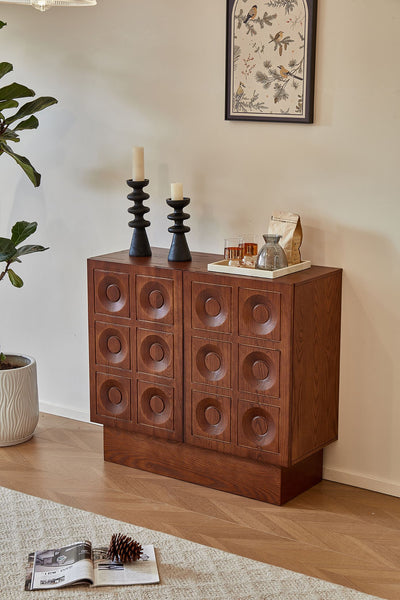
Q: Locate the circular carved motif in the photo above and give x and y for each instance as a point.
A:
(212, 361)
(155, 355)
(210, 419)
(259, 425)
(212, 307)
(260, 313)
(156, 299)
(113, 293)
(212, 415)
(260, 370)
(114, 344)
(156, 352)
(157, 405)
(114, 395)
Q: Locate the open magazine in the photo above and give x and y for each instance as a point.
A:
(80, 564)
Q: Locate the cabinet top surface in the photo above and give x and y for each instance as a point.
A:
(199, 262)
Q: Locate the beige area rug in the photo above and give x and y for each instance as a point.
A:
(188, 571)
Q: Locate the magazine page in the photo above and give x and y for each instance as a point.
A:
(108, 572)
(61, 567)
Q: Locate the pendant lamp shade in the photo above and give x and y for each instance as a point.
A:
(43, 5)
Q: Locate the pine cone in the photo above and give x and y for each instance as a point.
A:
(124, 548)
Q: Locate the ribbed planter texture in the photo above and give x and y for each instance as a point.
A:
(19, 402)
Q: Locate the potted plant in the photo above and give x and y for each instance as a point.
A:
(19, 407)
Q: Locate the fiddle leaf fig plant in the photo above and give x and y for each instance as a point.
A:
(11, 253)
(15, 118)
(22, 119)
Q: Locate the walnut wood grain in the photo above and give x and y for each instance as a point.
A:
(197, 465)
(234, 368)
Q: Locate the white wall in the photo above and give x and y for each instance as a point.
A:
(152, 73)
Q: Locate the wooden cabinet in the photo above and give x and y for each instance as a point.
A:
(226, 381)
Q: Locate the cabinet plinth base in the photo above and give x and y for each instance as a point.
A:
(227, 473)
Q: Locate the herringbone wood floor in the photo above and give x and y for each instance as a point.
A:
(335, 532)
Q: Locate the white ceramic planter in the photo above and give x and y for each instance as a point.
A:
(19, 403)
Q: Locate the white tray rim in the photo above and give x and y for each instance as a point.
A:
(221, 266)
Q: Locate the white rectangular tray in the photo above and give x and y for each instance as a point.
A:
(222, 266)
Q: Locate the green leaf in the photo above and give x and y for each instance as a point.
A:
(31, 107)
(3, 357)
(5, 67)
(2, 24)
(30, 123)
(9, 135)
(29, 249)
(23, 162)
(22, 230)
(8, 104)
(7, 249)
(15, 279)
(15, 90)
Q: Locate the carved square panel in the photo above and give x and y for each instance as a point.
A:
(211, 362)
(258, 426)
(211, 416)
(113, 397)
(155, 299)
(155, 352)
(113, 345)
(111, 296)
(259, 370)
(260, 314)
(155, 405)
(211, 307)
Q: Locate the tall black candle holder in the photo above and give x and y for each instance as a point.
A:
(179, 251)
(140, 244)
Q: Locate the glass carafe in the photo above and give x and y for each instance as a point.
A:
(271, 256)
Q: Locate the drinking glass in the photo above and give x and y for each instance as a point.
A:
(233, 251)
(250, 249)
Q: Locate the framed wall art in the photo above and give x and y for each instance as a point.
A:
(270, 60)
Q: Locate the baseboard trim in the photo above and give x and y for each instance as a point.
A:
(63, 411)
(362, 481)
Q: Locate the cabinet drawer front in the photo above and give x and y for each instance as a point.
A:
(258, 426)
(112, 346)
(210, 417)
(211, 307)
(211, 362)
(155, 352)
(259, 314)
(113, 398)
(111, 293)
(259, 370)
(155, 407)
(155, 299)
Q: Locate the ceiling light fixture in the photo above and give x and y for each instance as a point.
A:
(43, 5)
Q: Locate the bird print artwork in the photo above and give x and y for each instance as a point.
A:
(240, 90)
(251, 14)
(285, 73)
(271, 59)
(276, 38)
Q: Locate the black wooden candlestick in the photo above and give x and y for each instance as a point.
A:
(179, 250)
(140, 244)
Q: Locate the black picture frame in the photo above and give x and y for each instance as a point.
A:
(270, 46)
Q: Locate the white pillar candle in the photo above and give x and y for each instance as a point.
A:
(176, 191)
(138, 164)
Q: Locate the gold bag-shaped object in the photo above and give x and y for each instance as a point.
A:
(288, 226)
